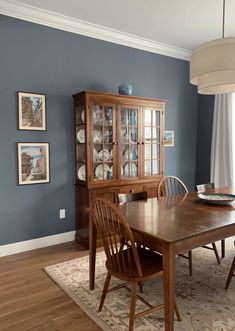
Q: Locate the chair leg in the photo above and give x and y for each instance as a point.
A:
(132, 306)
(177, 311)
(216, 252)
(230, 275)
(190, 262)
(105, 289)
(141, 287)
(223, 248)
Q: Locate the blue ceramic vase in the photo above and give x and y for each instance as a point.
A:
(125, 89)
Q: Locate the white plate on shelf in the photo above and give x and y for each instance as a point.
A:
(104, 155)
(83, 116)
(81, 136)
(97, 137)
(97, 115)
(133, 170)
(99, 171)
(82, 172)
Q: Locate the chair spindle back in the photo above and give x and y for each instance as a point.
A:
(114, 229)
(171, 186)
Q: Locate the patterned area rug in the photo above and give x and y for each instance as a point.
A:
(203, 302)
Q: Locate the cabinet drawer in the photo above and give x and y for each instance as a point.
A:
(104, 193)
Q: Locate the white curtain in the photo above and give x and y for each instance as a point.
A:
(222, 147)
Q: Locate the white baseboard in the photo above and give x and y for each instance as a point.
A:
(28, 245)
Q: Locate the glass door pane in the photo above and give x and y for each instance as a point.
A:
(128, 142)
(102, 144)
(151, 142)
(80, 143)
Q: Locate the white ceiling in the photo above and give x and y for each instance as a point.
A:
(181, 23)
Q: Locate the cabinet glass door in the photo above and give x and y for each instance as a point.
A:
(80, 143)
(102, 142)
(151, 142)
(128, 142)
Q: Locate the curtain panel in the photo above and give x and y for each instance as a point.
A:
(222, 147)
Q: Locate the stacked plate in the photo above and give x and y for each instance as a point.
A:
(97, 137)
(81, 136)
(104, 155)
(82, 172)
(103, 172)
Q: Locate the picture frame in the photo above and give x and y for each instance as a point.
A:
(31, 111)
(169, 137)
(33, 163)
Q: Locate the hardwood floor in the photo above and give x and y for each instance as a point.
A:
(30, 300)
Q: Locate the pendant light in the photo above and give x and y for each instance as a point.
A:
(212, 65)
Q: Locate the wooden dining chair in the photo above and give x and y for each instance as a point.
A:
(129, 263)
(133, 196)
(231, 273)
(173, 186)
(204, 188)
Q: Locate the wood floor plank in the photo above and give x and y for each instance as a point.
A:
(30, 300)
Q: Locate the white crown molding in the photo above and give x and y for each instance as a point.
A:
(61, 22)
(29, 245)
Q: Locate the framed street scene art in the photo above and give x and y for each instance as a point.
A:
(33, 163)
(32, 111)
(169, 138)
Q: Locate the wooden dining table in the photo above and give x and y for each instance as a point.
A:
(173, 225)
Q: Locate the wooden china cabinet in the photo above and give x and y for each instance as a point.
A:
(119, 149)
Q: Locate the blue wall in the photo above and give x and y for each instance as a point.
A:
(204, 135)
(59, 64)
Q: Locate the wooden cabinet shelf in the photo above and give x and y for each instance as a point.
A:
(119, 148)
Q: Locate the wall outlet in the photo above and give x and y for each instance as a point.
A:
(62, 213)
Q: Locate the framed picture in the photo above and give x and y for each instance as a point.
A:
(32, 111)
(169, 138)
(33, 163)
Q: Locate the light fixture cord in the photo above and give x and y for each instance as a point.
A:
(223, 18)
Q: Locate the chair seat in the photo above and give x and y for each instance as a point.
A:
(150, 263)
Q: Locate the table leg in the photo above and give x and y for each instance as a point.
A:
(223, 248)
(92, 253)
(169, 286)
